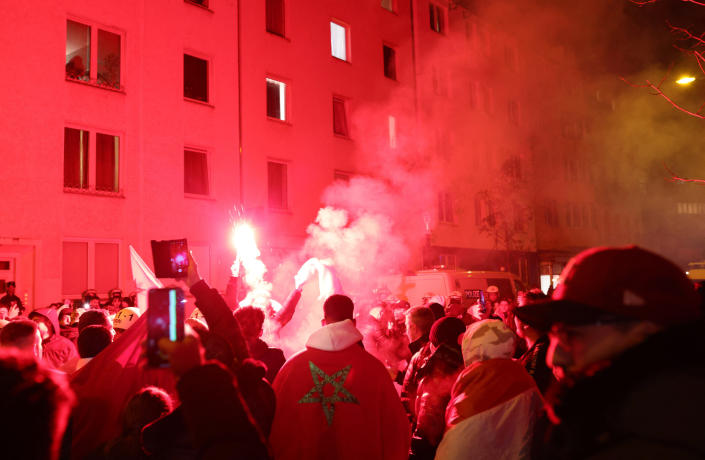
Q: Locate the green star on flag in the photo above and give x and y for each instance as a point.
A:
(340, 394)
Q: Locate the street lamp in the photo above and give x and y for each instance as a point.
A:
(685, 80)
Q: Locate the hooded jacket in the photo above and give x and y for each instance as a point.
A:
(57, 350)
(336, 401)
(494, 403)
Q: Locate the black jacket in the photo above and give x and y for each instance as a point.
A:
(648, 404)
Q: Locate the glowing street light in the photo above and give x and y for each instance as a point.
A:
(685, 80)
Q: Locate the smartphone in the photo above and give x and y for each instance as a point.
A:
(165, 318)
(170, 258)
(483, 303)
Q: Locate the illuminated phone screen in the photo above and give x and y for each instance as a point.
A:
(165, 319)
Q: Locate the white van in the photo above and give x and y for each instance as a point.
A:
(421, 285)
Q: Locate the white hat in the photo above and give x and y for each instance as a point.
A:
(492, 289)
(126, 317)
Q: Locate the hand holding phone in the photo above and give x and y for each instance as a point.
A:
(165, 320)
(171, 258)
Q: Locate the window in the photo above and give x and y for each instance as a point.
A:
(276, 99)
(107, 160)
(388, 5)
(445, 208)
(196, 172)
(339, 41)
(195, 78)
(76, 158)
(448, 261)
(80, 165)
(90, 264)
(277, 185)
(392, 132)
(100, 64)
(340, 120)
(436, 16)
(390, 62)
(275, 17)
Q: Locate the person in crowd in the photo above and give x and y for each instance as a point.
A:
(494, 402)
(10, 299)
(212, 410)
(124, 319)
(67, 329)
(437, 309)
(536, 341)
(419, 321)
(251, 320)
(36, 404)
(91, 341)
(23, 335)
(95, 317)
(57, 350)
(224, 343)
(146, 406)
(4, 312)
(437, 376)
(114, 303)
(339, 398)
(626, 334)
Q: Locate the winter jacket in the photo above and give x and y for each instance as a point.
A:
(534, 361)
(494, 403)
(336, 401)
(273, 358)
(648, 404)
(409, 388)
(57, 350)
(437, 376)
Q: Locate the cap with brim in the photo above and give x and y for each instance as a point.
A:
(542, 315)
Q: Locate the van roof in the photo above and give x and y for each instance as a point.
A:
(458, 272)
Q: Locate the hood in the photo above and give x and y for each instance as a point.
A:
(335, 337)
(487, 339)
(49, 313)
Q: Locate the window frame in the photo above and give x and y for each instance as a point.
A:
(348, 48)
(287, 99)
(266, 23)
(209, 73)
(392, 6)
(440, 12)
(393, 49)
(346, 111)
(90, 281)
(93, 54)
(92, 161)
(287, 196)
(207, 153)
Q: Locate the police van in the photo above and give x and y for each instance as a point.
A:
(419, 287)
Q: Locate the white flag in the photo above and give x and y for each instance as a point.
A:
(144, 279)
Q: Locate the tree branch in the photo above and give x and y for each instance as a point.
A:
(676, 178)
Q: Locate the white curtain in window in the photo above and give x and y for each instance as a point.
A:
(337, 41)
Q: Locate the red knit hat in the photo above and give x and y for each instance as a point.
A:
(617, 283)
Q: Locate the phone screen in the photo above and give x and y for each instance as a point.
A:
(165, 319)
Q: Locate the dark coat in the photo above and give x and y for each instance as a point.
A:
(534, 361)
(649, 403)
(273, 358)
(437, 376)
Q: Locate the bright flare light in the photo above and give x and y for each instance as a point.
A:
(685, 80)
(243, 240)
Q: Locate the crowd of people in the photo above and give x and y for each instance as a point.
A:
(609, 366)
